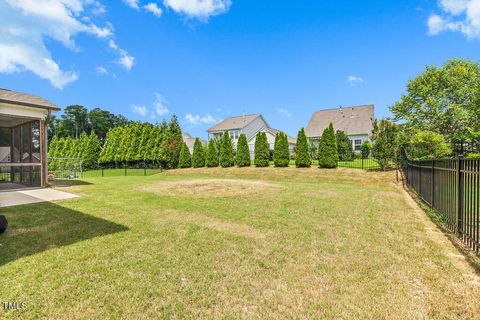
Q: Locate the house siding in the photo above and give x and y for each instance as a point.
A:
(253, 127)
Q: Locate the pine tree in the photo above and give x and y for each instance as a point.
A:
(262, 150)
(185, 160)
(327, 149)
(226, 151)
(281, 152)
(303, 159)
(243, 152)
(198, 158)
(212, 154)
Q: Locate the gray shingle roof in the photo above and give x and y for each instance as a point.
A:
(30, 100)
(234, 123)
(352, 120)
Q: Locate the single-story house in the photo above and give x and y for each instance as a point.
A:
(250, 125)
(190, 141)
(356, 122)
(23, 139)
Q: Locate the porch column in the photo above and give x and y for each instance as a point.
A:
(43, 152)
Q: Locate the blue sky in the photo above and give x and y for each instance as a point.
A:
(205, 60)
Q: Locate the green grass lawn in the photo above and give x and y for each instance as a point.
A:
(234, 243)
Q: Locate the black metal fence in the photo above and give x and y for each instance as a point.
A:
(452, 188)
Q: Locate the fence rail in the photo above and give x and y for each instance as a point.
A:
(103, 172)
(452, 188)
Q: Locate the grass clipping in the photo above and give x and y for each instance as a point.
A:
(207, 188)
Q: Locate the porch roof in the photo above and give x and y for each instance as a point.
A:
(25, 99)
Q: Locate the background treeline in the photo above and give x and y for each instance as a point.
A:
(143, 144)
(87, 148)
(135, 144)
(76, 119)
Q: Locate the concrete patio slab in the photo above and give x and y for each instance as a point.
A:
(21, 197)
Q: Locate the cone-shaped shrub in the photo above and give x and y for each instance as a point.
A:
(212, 154)
(226, 151)
(198, 157)
(303, 159)
(243, 152)
(327, 149)
(262, 150)
(281, 153)
(185, 160)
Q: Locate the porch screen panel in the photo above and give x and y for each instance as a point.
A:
(36, 156)
(26, 144)
(16, 145)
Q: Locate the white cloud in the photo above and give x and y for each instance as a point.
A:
(125, 59)
(202, 9)
(284, 112)
(132, 3)
(160, 105)
(140, 110)
(101, 70)
(153, 8)
(354, 80)
(458, 16)
(25, 24)
(197, 119)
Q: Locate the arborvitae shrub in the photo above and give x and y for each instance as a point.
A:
(281, 153)
(198, 158)
(212, 154)
(226, 151)
(303, 159)
(327, 149)
(243, 152)
(262, 150)
(185, 160)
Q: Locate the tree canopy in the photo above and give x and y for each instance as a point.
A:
(445, 100)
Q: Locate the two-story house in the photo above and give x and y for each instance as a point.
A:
(356, 122)
(250, 125)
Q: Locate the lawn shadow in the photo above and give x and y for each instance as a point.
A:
(68, 183)
(38, 227)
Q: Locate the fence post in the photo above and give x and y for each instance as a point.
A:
(102, 171)
(433, 184)
(460, 195)
(419, 163)
(125, 171)
(362, 161)
(145, 171)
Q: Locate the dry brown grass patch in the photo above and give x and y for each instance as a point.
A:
(207, 188)
(223, 226)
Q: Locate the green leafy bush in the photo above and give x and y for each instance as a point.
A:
(198, 157)
(212, 154)
(262, 150)
(303, 159)
(344, 146)
(243, 152)
(226, 151)
(365, 149)
(281, 152)
(429, 145)
(384, 149)
(185, 160)
(327, 149)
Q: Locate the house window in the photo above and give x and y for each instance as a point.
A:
(357, 143)
(234, 135)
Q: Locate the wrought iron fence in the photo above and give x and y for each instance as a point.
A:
(452, 188)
